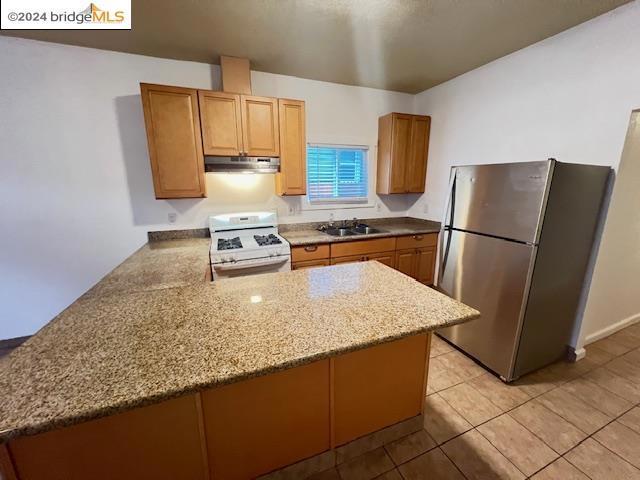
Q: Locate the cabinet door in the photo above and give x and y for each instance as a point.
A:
(378, 386)
(7, 471)
(260, 131)
(292, 179)
(388, 258)
(417, 160)
(349, 259)
(264, 423)
(400, 148)
(160, 442)
(425, 265)
(221, 123)
(406, 262)
(175, 144)
(310, 264)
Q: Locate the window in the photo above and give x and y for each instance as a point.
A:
(337, 174)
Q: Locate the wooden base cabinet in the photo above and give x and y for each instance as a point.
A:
(418, 263)
(325, 262)
(388, 258)
(413, 255)
(159, 442)
(261, 424)
(416, 256)
(237, 431)
(379, 386)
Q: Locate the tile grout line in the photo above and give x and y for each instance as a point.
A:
(451, 460)
(590, 436)
(503, 455)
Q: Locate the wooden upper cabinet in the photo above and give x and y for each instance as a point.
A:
(221, 123)
(292, 179)
(260, 129)
(172, 121)
(400, 148)
(416, 170)
(403, 141)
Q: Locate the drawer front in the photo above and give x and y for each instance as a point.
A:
(309, 252)
(323, 262)
(417, 241)
(349, 259)
(363, 247)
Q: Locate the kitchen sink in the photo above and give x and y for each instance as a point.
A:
(340, 232)
(365, 230)
(358, 230)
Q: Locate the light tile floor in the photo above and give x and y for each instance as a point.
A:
(567, 421)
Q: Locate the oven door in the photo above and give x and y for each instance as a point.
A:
(254, 266)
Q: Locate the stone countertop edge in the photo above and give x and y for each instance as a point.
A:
(7, 435)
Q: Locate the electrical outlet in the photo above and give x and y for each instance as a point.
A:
(378, 207)
(291, 210)
(425, 207)
(172, 217)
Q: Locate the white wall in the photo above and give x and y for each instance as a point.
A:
(613, 299)
(567, 97)
(76, 196)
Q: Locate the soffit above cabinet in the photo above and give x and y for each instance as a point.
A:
(397, 45)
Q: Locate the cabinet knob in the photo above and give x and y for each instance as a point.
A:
(417, 237)
(311, 248)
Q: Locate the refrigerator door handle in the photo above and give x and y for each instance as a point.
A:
(443, 252)
(447, 218)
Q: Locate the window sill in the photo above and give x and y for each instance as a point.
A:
(336, 205)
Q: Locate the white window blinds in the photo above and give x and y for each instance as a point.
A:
(336, 174)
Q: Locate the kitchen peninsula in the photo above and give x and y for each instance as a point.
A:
(183, 378)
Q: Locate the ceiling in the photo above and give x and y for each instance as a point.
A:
(402, 45)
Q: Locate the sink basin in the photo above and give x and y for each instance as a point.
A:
(339, 232)
(365, 230)
(359, 230)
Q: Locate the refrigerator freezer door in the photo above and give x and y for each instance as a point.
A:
(502, 200)
(492, 276)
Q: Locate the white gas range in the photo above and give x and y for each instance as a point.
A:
(247, 244)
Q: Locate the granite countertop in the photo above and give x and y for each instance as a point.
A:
(157, 265)
(109, 353)
(306, 233)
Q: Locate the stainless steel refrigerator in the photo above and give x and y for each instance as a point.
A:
(515, 245)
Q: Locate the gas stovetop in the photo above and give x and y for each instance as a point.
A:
(229, 243)
(246, 236)
(270, 239)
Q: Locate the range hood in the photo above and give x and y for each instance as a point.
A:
(241, 164)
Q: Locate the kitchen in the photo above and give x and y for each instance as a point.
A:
(123, 209)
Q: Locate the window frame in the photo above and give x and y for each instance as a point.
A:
(343, 202)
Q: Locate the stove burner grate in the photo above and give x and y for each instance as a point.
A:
(229, 243)
(264, 240)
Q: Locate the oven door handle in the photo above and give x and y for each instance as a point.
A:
(242, 265)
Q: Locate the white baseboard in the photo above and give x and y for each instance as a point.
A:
(578, 354)
(611, 329)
